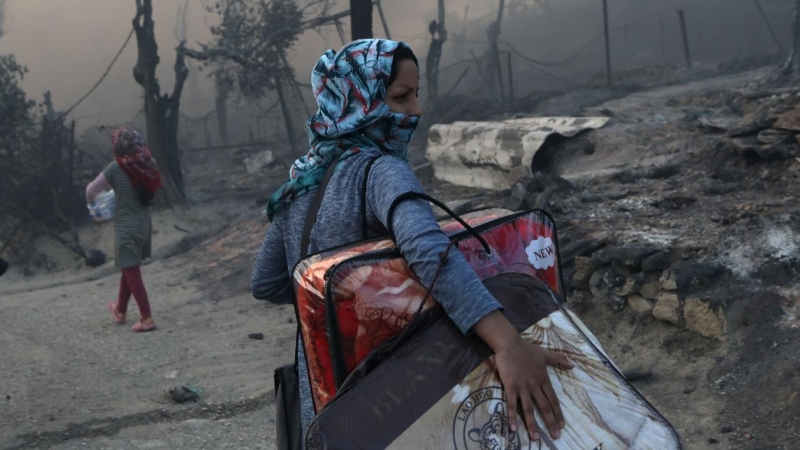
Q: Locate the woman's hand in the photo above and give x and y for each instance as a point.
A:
(96, 187)
(522, 366)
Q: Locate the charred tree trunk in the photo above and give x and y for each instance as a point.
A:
(494, 51)
(435, 54)
(223, 86)
(361, 19)
(792, 65)
(161, 111)
(287, 117)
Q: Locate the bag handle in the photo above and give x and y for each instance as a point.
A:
(364, 187)
(456, 217)
(313, 210)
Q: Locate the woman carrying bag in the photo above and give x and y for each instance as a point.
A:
(368, 111)
(135, 179)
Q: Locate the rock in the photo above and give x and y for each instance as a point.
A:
(591, 198)
(675, 202)
(752, 122)
(584, 268)
(640, 304)
(669, 308)
(256, 336)
(712, 441)
(686, 274)
(726, 429)
(651, 287)
(517, 199)
(771, 136)
(778, 152)
(256, 162)
(701, 318)
(718, 123)
(617, 303)
(184, 394)
(631, 285)
(95, 258)
(743, 145)
(520, 174)
(630, 256)
(656, 262)
(598, 283)
(583, 246)
(789, 121)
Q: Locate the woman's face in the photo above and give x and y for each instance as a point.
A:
(401, 96)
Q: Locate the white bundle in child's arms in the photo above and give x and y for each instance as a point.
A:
(101, 208)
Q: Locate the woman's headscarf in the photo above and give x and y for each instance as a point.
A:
(133, 156)
(350, 87)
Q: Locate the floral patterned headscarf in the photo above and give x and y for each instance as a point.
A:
(350, 87)
(133, 156)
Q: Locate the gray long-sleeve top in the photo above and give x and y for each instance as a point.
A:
(417, 235)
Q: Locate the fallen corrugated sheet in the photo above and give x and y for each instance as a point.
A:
(481, 154)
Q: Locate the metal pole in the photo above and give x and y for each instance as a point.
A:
(510, 78)
(769, 26)
(682, 18)
(383, 20)
(71, 157)
(608, 41)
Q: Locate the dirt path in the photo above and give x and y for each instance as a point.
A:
(73, 379)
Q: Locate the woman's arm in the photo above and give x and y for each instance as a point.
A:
(95, 187)
(270, 280)
(522, 365)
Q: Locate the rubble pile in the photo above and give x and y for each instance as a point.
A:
(769, 127)
(653, 281)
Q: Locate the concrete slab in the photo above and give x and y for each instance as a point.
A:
(481, 154)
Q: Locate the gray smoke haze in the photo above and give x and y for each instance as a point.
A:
(67, 45)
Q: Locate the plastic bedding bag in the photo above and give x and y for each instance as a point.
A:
(383, 376)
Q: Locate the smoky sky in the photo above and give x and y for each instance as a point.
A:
(67, 45)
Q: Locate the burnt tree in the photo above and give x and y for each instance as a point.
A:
(792, 65)
(223, 85)
(435, 54)
(161, 110)
(361, 19)
(493, 65)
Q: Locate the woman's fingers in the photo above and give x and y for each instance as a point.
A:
(546, 410)
(559, 360)
(530, 418)
(511, 404)
(552, 398)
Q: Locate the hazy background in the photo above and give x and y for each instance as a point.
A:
(67, 44)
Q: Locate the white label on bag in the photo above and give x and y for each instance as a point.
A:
(542, 253)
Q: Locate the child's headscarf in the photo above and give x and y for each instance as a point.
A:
(350, 87)
(133, 156)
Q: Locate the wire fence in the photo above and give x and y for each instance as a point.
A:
(698, 36)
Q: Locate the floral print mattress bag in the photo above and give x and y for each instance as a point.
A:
(383, 376)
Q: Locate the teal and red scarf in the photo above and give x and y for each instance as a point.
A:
(350, 87)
